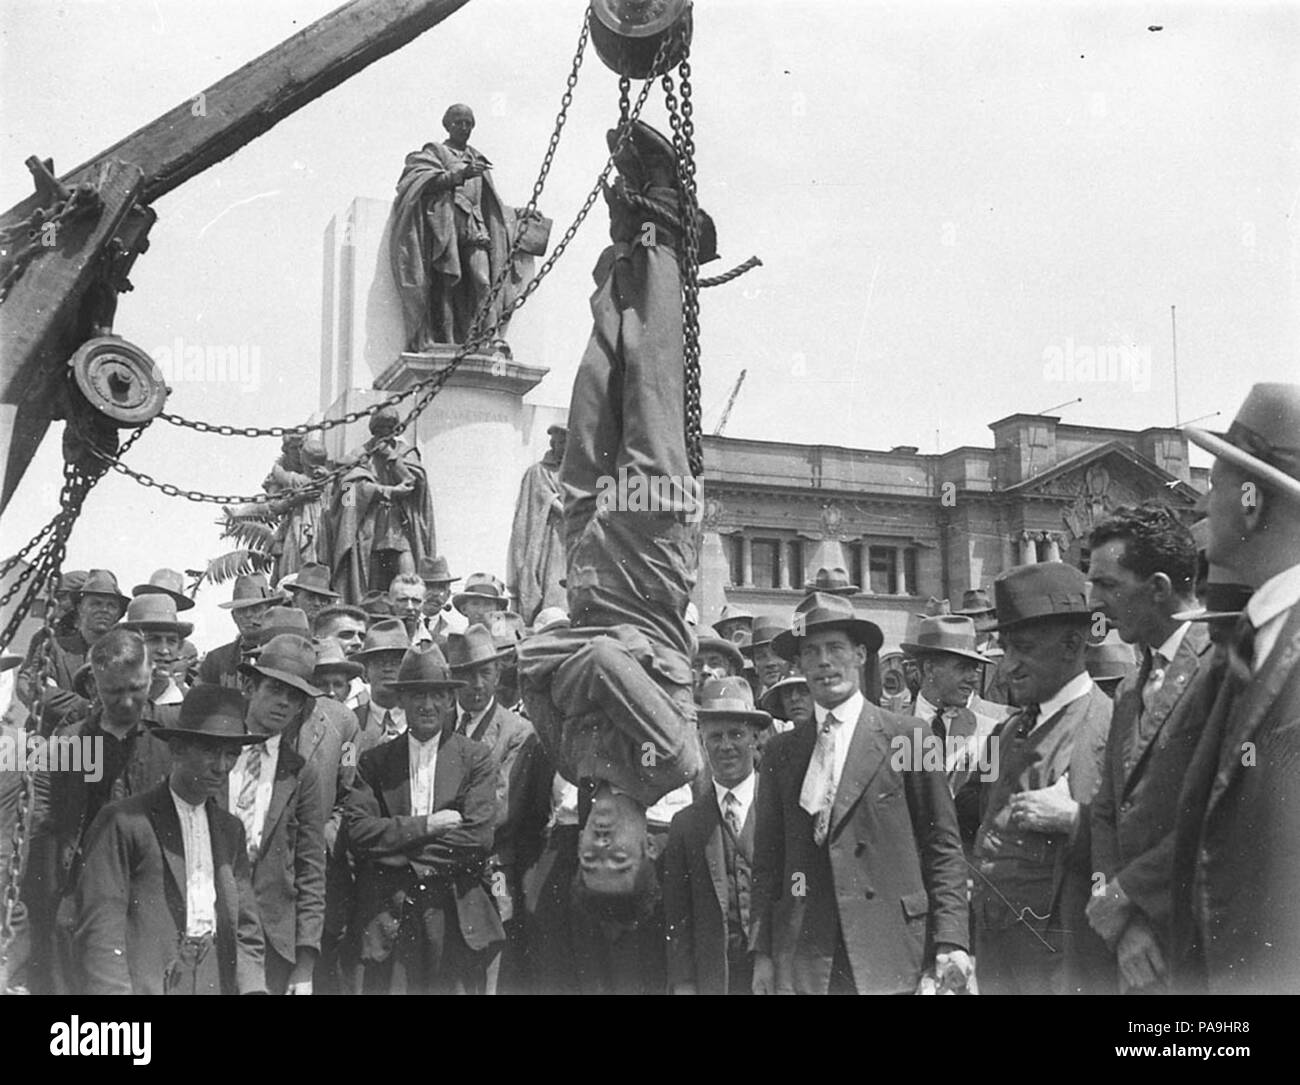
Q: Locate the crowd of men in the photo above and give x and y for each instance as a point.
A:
(419, 794)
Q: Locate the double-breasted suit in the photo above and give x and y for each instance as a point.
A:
(1146, 760)
(131, 900)
(890, 880)
(1236, 867)
(697, 905)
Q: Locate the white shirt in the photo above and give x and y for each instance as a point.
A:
(847, 713)
(564, 802)
(397, 716)
(474, 720)
(1161, 658)
(667, 808)
(173, 694)
(424, 761)
(744, 792)
(270, 752)
(1267, 610)
(1078, 686)
(200, 875)
(358, 693)
(924, 710)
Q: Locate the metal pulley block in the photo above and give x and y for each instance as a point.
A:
(628, 34)
(118, 380)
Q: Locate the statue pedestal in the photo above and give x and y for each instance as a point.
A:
(476, 438)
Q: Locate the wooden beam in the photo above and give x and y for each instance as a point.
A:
(211, 126)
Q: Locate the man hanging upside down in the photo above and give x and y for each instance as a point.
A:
(611, 695)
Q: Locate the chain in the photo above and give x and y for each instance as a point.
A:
(683, 127)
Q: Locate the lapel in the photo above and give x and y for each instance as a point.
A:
(1264, 688)
(746, 840)
(167, 827)
(486, 724)
(395, 776)
(710, 831)
(1178, 677)
(447, 770)
(287, 765)
(866, 755)
(310, 735)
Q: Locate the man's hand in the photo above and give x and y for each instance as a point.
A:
(953, 968)
(1140, 961)
(441, 821)
(1108, 912)
(472, 168)
(1047, 810)
(764, 975)
(300, 987)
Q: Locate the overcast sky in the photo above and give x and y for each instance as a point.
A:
(946, 198)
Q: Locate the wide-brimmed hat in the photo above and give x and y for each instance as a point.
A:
(154, 613)
(771, 699)
(166, 582)
(832, 581)
(70, 582)
(375, 603)
(1264, 438)
(1110, 660)
(708, 639)
(730, 699)
(252, 590)
(482, 586)
(1225, 598)
(101, 582)
(289, 658)
(951, 633)
(386, 635)
(822, 612)
(330, 657)
(473, 648)
(424, 668)
(549, 618)
(315, 578)
(1033, 593)
(734, 614)
(767, 627)
(279, 621)
(435, 571)
(212, 712)
(975, 602)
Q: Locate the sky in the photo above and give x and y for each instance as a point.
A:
(954, 204)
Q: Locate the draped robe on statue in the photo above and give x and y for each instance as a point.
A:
(438, 299)
(536, 540)
(362, 523)
(298, 539)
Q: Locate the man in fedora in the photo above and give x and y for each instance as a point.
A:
(64, 618)
(166, 582)
(858, 877)
(768, 665)
(536, 564)
(832, 581)
(708, 861)
(153, 616)
(310, 590)
(715, 656)
(334, 672)
(122, 725)
(276, 794)
(611, 696)
(1142, 570)
(165, 904)
(733, 622)
(483, 596)
(523, 772)
(381, 717)
(789, 703)
(420, 824)
(440, 617)
(251, 599)
(1049, 764)
(978, 607)
(98, 607)
(1237, 824)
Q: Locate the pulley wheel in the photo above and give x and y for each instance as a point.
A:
(119, 380)
(627, 34)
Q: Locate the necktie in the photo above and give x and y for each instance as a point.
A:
(1155, 679)
(1028, 718)
(731, 811)
(246, 803)
(817, 795)
(939, 722)
(390, 725)
(464, 723)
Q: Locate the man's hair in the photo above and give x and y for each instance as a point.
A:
(326, 617)
(119, 648)
(406, 580)
(458, 107)
(1155, 541)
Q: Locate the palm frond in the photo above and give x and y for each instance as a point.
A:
(236, 563)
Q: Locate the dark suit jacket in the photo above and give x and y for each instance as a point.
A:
(1145, 765)
(1238, 833)
(131, 899)
(695, 895)
(289, 874)
(220, 666)
(369, 731)
(518, 754)
(891, 878)
(394, 850)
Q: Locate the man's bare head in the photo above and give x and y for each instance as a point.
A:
(459, 123)
(612, 847)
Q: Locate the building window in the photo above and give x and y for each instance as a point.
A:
(853, 555)
(909, 571)
(794, 552)
(765, 569)
(736, 559)
(884, 570)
